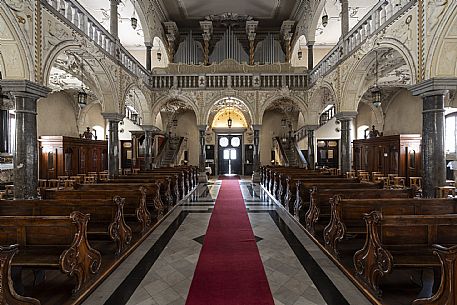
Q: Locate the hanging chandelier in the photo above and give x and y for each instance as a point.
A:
(134, 20)
(375, 90)
(82, 95)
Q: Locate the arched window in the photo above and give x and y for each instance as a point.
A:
(450, 141)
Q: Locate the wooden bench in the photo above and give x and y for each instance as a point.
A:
(8, 294)
(347, 214)
(107, 216)
(66, 249)
(298, 200)
(446, 293)
(403, 241)
(136, 205)
(319, 204)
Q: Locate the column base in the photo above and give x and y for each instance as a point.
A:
(202, 177)
(256, 177)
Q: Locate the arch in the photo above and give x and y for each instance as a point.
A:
(302, 106)
(354, 89)
(159, 47)
(162, 101)
(442, 50)
(295, 61)
(236, 114)
(103, 80)
(142, 104)
(15, 55)
(206, 113)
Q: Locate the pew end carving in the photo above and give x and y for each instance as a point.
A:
(119, 231)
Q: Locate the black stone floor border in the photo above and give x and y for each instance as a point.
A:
(125, 290)
(327, 289)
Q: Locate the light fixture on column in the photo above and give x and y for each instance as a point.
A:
(283, 123)
(82, 95)
(159, 56)
(134, 20)
(324, 18)
(229, 121)
(375, 91)
(300, 54)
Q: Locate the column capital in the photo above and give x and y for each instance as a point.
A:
(201, 127)
(256, 126)
(148, 44)
(115, 2)
(24, 88)
(311, 127)
(310, 43)
(434, 86)
(113, 116)
(151, 128)
(346, 115)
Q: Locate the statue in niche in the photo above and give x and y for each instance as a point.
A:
(374, 133)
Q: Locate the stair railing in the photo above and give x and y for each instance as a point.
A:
(158, 161)
(279, 148)
(179, 151)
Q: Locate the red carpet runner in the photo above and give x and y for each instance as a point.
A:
(229, 270)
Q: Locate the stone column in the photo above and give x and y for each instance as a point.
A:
(433, 93)
(346, 150)
(202, 157)
(134, 150)
(256, 171)
(310, 55)
(25, 95)
(113, 142)
(148, 144)
(4, 131)
(148, 56)
(311, 156)
(114, 18)
(344, 17)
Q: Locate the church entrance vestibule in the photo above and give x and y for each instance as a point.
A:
(229, 154)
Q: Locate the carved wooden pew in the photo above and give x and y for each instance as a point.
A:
(298, 200)
(52, 242)
(135, 207)
(152, 193)
(319, 204)
(187, 180)
(347, 215)
(169, 192)
(403, 241)
(107, 216)
(7, 293)
(274, 176)
(447, 291)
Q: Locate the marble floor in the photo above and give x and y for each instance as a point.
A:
(160, 271)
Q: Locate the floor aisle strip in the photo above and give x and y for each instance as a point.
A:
(229, 270)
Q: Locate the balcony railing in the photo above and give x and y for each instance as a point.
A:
(378, 18)
(238, 81)
(75, 14)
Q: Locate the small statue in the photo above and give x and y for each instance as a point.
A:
(374, 133)
(87, 134)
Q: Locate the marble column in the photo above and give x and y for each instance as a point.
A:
(433, 93)
(345, 143)
(344, 17)
(310, 55)
(202, 156)
(311, 149)
(148, 145)
(114, 18)
(148, 57)
(4, 131)
(113, 142)
(256, 172)
(25, 95)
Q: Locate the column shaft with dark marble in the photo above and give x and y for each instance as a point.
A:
(344, 17)
(433, 93)
(310, 55)
(148, 57)
(202, 156)
(256, 172)
(113, 142)
(4, 131)
(346, 149)
(148, 145)
(311, 157)
(114, 18)
(25, 95)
